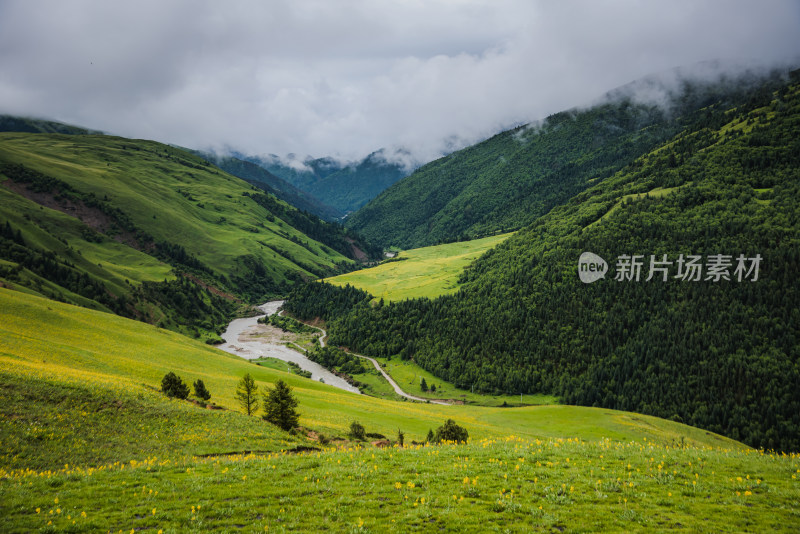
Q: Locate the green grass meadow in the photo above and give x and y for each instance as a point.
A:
(422, 272)
(509, 484)
(409, 376)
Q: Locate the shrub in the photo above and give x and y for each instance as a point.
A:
(173, 386)
(357, 431)
(450, 431)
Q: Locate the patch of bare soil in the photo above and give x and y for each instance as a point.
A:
(357, 252)
(214, 290)
(94, 218)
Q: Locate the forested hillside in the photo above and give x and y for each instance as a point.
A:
(353, 186)
(507, 181)
(150, 231)
(301, 174)
(263, 179)
(721, 352)
(346, 187)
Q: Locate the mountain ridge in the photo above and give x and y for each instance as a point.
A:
(344, 185)
(269, 182)
(505, 182)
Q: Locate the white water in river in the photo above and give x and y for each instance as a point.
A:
(253, 349)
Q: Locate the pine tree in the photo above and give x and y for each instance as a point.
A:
(279, 406)
(173, 386)
(423, 385)
(200, 390)
(246, 394)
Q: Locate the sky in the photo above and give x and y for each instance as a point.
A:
(343, 78)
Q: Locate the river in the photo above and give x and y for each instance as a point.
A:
(238, 341)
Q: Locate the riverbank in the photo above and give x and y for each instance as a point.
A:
(250, 340)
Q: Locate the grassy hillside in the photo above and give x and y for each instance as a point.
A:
(105, 222)
(89, 445)
(90, 348)
(508, 484)
(423, 272)
(509, 180)
(170, 194)
(719, 354)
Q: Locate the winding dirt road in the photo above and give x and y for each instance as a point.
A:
(388, 378)
(396, 387)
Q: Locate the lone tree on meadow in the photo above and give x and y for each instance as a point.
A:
(423, 385)
(246, 394)
(200, 390)
(173, 386)
(279, 406)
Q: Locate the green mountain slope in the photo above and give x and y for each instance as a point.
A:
(11, 123)
(507, 181)
(346, 187)
(262, 178)
(353, 186)
(108, 222)
(300, 174)
(721, 355)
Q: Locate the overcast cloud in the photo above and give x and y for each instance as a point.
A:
(346, 77)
